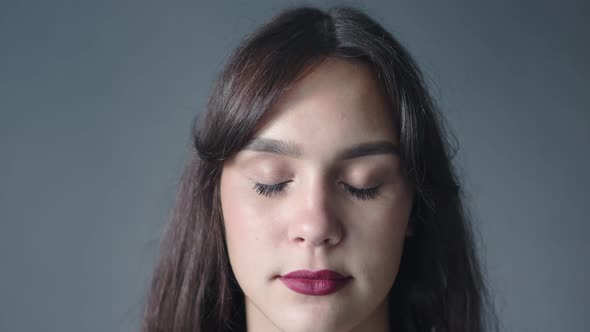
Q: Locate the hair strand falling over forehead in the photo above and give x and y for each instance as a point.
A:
(439, 286)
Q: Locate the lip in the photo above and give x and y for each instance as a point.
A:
(315, 283)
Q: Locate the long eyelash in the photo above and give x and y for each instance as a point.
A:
(362, 194)
(268, 189)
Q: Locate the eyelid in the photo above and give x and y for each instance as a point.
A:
(363, 188)
(363, 193)
(268, 190)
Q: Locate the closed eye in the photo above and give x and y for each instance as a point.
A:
(269, 190)
(362, 193)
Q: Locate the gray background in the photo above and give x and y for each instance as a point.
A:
(96, 102)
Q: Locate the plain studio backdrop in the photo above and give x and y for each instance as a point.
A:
(97, 100)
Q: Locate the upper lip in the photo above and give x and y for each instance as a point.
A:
(321, 274)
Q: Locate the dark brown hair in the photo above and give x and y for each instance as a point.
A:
(439, 285)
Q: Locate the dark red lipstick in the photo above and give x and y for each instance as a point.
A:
(316, 283)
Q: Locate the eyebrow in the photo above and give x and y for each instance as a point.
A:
(289, 149)
(276, 146)
(368, 149)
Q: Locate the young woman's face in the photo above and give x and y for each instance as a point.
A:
(319, 188)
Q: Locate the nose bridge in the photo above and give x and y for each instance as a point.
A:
(314, 221)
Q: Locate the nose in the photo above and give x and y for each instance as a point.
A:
(314, 219)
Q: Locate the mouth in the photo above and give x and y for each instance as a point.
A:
(315, 283)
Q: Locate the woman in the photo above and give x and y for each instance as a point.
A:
(320, 196)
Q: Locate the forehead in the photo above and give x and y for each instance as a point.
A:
(336, 82)
(338, 104)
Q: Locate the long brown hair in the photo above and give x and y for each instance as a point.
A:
(439, 285)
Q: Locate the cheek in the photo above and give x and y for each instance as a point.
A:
(378, 233)
(248, 235)
(385, 220)
(379, 236)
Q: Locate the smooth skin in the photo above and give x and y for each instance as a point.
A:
(313, 202)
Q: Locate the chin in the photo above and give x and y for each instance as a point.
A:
(311, 321)
(308, 327)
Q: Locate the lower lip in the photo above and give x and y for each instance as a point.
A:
(315, 287)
